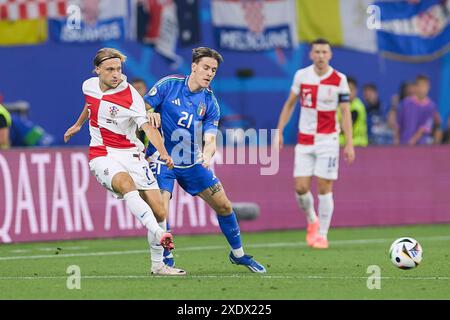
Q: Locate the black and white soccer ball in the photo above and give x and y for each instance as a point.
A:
(406, 253)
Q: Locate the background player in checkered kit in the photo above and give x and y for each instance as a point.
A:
(190, 114)
(115, 110)
(322, 90)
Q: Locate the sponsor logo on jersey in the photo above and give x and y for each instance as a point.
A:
(109, 121)
(176, 102)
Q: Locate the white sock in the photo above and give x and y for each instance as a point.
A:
(238, 252)
(306, 202)
(141, 210)
(163, 225)
(156, 251)
(326, 207)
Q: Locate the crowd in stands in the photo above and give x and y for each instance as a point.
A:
(412, 118)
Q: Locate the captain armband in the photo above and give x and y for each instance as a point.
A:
(344, 97)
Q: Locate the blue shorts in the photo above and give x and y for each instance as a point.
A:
(193, 180)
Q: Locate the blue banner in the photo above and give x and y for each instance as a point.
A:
(245, 40)
(113, 29)
(91, 21)
(415, 32)
(254, 25)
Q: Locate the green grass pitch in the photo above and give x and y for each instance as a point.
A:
(119, 268)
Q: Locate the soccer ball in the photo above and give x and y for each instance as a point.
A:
(405, 253)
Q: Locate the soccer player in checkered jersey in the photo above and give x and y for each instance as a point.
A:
(321, 90)
(115, 110)
(189, 115)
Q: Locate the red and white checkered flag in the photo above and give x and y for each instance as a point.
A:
(32, 9)
(429, 23)
(254, 15)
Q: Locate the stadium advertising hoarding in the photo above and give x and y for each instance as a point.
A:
(50, 194)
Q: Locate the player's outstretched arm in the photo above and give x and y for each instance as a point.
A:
(154, 136)
(349, 151)
(209, 149)
(285, 115)
(77, 126)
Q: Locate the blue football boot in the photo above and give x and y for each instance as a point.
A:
(249, 262)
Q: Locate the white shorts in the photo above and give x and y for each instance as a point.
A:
(105, 168)
(320, 160)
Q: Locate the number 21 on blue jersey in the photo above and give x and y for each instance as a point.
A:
(186, 117)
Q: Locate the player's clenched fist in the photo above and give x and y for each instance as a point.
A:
(70, 132)
(349, 154)
(206, 162)
(167, 159)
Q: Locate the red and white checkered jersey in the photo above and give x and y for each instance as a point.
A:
(319, 99)
(114, 116)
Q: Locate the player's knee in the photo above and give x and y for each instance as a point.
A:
(122, 183)
(300, 189)
(224, 208)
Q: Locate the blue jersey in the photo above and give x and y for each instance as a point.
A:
(185, 117)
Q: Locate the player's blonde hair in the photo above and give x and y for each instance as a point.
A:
(106, 54)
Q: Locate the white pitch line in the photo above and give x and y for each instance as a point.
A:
(311, 277)
(202, 248)
(64, 248)
(70, 255)
(20, 251)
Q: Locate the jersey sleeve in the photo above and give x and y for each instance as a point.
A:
(211, 122)
(85, 86)
(295, 88)
(155, 96)
(139, 114)
(344, 90)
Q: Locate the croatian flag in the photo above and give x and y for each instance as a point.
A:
(254, 25)
(91, 21)
(414, 30)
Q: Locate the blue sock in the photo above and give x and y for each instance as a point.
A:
(230, 229)
(166, 251)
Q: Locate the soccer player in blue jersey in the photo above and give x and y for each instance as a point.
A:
(190, 115)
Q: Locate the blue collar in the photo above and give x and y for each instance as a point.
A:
(188, 91)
